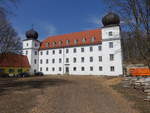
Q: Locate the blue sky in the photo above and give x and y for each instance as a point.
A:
(53, 17)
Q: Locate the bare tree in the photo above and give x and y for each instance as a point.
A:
(9, 40)
(135, 15)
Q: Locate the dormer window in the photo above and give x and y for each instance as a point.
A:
(110, 33)
(83, 40)
(92, 39)
(75, 41)
(67, 42)
(47, 44)
(60, 43)
(54, 44)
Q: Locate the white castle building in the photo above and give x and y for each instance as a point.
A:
(92, 52)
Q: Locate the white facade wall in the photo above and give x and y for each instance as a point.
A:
(50, 68)
(29, 49)
(50, 57)
(71, 55)
(116, 50)
(105, 63)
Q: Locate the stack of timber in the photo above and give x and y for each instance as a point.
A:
(146, 88)
(141, 84)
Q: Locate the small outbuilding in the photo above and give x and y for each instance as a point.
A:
(12, 64)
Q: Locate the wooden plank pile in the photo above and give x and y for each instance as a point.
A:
(142, 84)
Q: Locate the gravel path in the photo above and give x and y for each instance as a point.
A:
(81, 95)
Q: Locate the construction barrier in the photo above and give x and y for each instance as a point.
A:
(139, 71)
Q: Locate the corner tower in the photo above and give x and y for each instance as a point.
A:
(111, 42)
(30, 49)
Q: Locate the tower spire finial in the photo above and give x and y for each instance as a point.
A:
(109, 9)
(32, 26)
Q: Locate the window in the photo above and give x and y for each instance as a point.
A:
(75, 41)
(1, 70)
(74, 68)
(60, 51)
(34, 61)
(35, 53)
(83, 40)
(60, 60)
(67, 42)
(92, 39)
(67, 50)
(47, 52)
(54, 44)
(53, 52)
(67, 60)
(59, 68)
(53, 69)
(74, 50)
(91, 59)
(82, 49)
(46, 68)
(46, 61)
(47, 44)
(19, 70)
(53, 60)
(26, 52)
(82, 59)
(111, 57)
(91, 68)
(74, 60)
(40, 68)
(100, 48)
(11, 70)
(100, 68)
(82, 68)
(112, 68)
(41, 61)
(100, 58)
(27, 44)
(35, 45)
(110, 44)
(41, 53)
(60, 43)
(110, 33)
(34, 70)
(91, 49)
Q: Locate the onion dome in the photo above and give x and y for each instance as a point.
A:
(111, 19)
(32, 34)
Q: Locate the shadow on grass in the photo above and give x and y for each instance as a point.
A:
(13, 84)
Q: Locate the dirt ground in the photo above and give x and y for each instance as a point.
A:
(62, 94)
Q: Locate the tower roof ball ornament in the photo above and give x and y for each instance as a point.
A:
(111, 19)
(32, 34)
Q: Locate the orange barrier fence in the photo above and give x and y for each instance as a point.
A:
(139, 71)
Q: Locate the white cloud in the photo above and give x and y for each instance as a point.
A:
(46, 28)
(22, 36)
(94, 20)
(50, 29)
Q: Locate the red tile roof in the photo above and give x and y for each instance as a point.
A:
(88, 35)
(14, 60)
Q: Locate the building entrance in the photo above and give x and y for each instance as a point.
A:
(67, 70)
